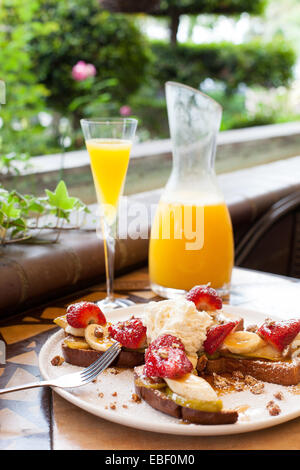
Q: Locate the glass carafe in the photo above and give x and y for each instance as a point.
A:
(191, 238)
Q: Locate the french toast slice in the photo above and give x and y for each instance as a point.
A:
(156, 398)
(85, 357)
(277, 372)
(92, 340)
(270, 353)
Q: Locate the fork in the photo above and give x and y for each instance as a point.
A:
(76, 379)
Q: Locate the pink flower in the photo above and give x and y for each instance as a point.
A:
(82, 71)
(125, 110)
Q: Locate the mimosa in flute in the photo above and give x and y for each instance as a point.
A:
(109, 142)
(109, 162)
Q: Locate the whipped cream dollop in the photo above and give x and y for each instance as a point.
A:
(179, 318)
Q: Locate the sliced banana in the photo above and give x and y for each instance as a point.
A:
(193, 358)
(76, 343)
(243, 342)
(192, 387)
(61, 321)
(267, 352)
(99, 344)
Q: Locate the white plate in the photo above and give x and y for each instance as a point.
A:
(141, 415)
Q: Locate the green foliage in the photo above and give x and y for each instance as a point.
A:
(24, 95)
(186, 7)
(147, 105)
(41, 40)
(253, 63)
(111, 42)
(235, 114)
(13, 163)
(61, 201)
(267, 107)
(23, 217)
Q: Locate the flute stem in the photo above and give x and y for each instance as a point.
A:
(109, 255)
(109, 242)
(109, 231)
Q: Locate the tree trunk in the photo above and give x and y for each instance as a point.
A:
(174, 24)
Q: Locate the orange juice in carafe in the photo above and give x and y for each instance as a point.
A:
(191, 237)
(204, 251)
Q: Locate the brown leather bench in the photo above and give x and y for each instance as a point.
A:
(35, 273)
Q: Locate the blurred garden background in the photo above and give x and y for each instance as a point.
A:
(63, 60)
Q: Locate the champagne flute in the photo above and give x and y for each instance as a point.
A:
(109, 142)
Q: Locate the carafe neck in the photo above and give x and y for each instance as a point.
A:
(194, 121)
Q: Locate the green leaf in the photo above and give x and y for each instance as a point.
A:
(10, 210)
(16, 210)
(18, 226)
(35, 205)
(60, 198)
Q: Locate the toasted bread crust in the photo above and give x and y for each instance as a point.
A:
(161, 402)
(282, 373)
(85, 357)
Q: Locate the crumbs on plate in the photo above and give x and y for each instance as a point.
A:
(273, 408)
(57, 361)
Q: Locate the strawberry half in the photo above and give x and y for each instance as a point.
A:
(205, 298)
(216, 335)
(81, 314)
(131, 333)
(166, 357)
(163, 342)
(280, 333)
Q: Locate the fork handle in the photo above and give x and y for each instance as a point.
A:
(42, 383)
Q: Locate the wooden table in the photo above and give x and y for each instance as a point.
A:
(41, 419)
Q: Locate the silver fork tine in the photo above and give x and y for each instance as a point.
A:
(106, 362)
(108, 358)
(94, 365)
(101, 367)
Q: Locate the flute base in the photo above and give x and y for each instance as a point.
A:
(110, 303)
